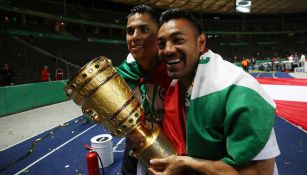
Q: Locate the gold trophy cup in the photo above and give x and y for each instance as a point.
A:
(107, 99)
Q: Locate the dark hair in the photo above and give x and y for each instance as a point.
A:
(178, 14)
(144, 9)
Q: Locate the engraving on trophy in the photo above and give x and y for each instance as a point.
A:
(100, 77)
(108, 103)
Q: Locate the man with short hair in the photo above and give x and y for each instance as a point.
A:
(229, 117)
(143, 72)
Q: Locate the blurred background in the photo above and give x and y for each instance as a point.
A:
(66, 34)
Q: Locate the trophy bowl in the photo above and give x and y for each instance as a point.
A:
(106, 98)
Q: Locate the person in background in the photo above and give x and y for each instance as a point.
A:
(274, 62)
(290, 58)
(253, 63)
(229, 117)
(302, 60)
(59, 74)
(45, 75)
(7, 75)
(295, 57)
(144, 73)
(280, 64)
(244, 64)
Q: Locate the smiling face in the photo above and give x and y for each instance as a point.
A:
(141, 36)
(179, 48)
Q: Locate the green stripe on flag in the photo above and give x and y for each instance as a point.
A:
(204, 60)
(237, 112)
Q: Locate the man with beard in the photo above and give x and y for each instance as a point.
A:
(143, 72)
(229, 117)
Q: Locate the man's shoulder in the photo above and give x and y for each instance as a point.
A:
(127, 65)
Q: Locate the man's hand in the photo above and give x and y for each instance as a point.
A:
(170, 165)
(174, 165)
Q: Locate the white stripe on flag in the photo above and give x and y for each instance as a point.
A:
(286, 92)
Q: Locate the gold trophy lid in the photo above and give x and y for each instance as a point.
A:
(105, 97)
(84, 75)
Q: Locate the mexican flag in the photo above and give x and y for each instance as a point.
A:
(229, 115)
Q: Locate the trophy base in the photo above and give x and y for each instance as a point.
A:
(157, 146)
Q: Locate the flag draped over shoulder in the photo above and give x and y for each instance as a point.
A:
(132, 73)
(174, 120)
(134, 76)
(230, 116)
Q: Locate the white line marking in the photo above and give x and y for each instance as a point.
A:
(54, 150)
(117, 144)
(259, 75)
(50, 129)
(286, 92)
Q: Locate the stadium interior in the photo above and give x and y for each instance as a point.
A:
(41, 130)
(67, 34)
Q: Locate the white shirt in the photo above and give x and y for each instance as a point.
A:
(269, 151)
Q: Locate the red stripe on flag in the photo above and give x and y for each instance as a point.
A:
(294, 112)
(174, 122)
(283, 81)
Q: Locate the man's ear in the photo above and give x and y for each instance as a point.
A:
(202, 42)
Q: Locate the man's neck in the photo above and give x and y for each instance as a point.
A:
(148, 65)
(188, 81)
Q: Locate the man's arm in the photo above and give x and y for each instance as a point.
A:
(176, 164)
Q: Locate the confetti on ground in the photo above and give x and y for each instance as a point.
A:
(25, 171)
(287, 163)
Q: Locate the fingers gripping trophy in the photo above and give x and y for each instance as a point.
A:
(107, 99)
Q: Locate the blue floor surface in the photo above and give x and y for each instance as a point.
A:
(293, 146)
(271, 75)
(61, 152)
